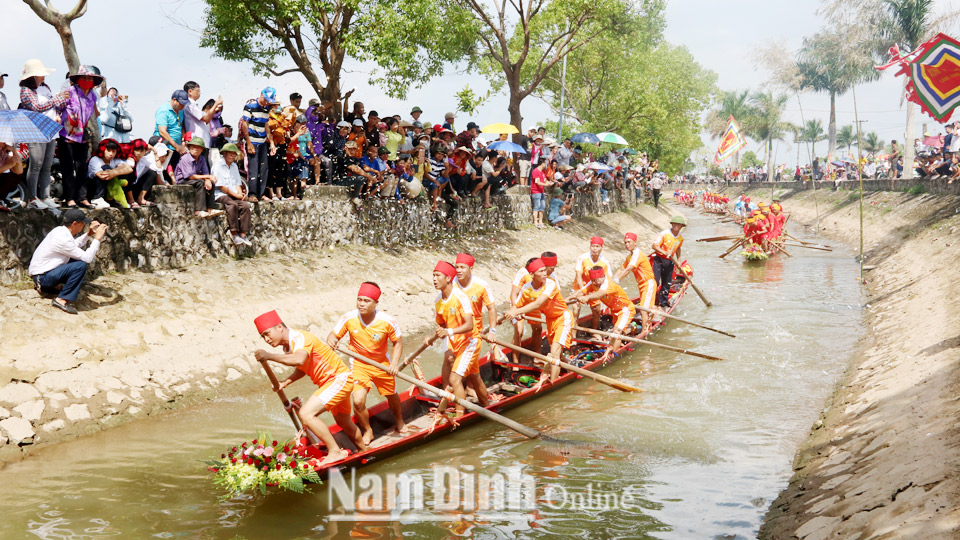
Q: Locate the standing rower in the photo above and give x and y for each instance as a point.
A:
(582, 276)
(638, 263)
(371, 334)
(454, 315)
(667, 245)
(543, 293)
(614, 297)
(478, 291)
(312, 357)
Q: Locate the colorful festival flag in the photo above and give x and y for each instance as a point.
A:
(731, 142)
(933, 71)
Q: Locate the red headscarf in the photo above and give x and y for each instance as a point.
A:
(596, 240)
(535, 265)
(370, 290)
(465, 258)
(446, 269)
(267, 320)
(597, 273)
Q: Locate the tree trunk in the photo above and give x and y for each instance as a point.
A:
(69, 46)
(832, 128)
(909, 151)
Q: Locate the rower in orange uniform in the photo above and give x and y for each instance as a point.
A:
(371, 333)
(666, 246)
(311, 357)
(614, 297)
(454, 316)
(638, 263)
(543, 293)
(582, 273)
(478, 291)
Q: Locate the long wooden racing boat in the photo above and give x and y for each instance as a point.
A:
(501, 377)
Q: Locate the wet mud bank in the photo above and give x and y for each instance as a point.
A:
(883, 459)
(146, 343)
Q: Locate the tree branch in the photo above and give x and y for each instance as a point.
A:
(77, 11)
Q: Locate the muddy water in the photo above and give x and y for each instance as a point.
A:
(700, 453)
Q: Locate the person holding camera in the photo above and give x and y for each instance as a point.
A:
(60, 261)
(560, 206)
(115, 120)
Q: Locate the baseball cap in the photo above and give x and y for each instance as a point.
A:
(418, 124)
(358, 122)
(449, 115)
(383, 150)
(342, 123)
(181, 96)
(472, 125)
(73, 215)
(270, 94)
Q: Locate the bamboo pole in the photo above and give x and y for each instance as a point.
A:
(286, 402)
(674, 317)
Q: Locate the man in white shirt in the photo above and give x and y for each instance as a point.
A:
(564, 154)
(195, 120)
(61, 260)
(231, 192)
(4, 105)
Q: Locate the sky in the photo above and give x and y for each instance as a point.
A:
(147, 49)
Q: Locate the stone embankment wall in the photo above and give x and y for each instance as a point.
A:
(939, 186)
(168, 236)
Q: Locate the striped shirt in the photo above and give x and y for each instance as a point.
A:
(256, 118)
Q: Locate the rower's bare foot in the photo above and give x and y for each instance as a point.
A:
(367, 436)
(405, 428)
(334, 457)
(539, 385)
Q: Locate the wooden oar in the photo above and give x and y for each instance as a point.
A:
(637, 340)
(674, 317)
(808, 247)
(412, 358)
(286, 402)
(780, 248)
(679, 267)
(486, 413)
(650, 343)
(718, 238)
(804, 242)
(569, 367)
(736, 244)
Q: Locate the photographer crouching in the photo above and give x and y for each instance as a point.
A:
(60, 261)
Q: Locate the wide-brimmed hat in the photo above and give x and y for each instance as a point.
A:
(35, 68)
(230, 147)
(416, 109)
(88, 71)
(198, 141)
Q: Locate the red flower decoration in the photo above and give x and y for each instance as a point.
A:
(293, 464)
(278, 466)
(274, 443)
(223, 456)
(234, 449)
(254, 441)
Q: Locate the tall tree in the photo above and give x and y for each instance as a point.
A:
(522, 40)
(650, 92)
(325, 33)
(767, 124)
(813, 133)
(846, 137)
(872, 143)
(61, 22)
(826, 64)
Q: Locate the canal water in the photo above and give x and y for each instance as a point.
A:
(701, 453)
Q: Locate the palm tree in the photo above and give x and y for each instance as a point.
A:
(872, 143)
(767, 123)
(813, 133)
(827, 64)
(846, 137)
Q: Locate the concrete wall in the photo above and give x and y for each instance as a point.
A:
(168, 236)
(921, 185)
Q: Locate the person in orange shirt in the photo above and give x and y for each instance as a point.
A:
(582, 268)
(312, 357)
(461, 361)
(666, 246)
(543, 293)
(638, 263)
(611, 295)
(521, 278)
(372, 332)
(478, 291)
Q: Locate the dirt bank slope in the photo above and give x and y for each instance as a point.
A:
(884, 459)
(147, 342)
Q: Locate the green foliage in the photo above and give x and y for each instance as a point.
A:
(317, 36)
(253, 466)
(846, 136)
(735, 103)
(468, 101)
(749, 159)
(872, 143)
(715, 170)
(917, 189)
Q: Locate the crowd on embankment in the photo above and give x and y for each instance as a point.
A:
(882, 460)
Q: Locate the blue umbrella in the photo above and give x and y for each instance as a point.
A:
(22, 126)
(585, 138)
(507, 146)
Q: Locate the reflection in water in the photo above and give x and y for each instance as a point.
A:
(701, 451)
